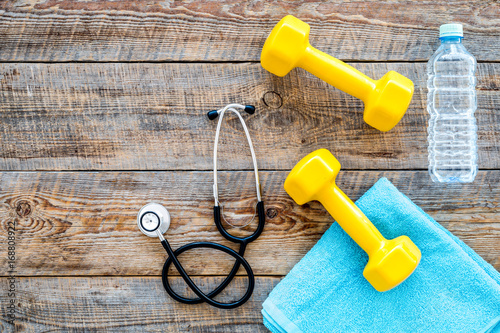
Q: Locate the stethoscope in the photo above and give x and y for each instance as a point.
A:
(154, 220)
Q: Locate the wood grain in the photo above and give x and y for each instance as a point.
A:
(123, 87)
(152, 117)
(72, 224)
(55, 30)
(128, 304)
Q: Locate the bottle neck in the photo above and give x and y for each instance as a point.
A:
(451, 40)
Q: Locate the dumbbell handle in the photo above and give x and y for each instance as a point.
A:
(351, 219)
(337, 73)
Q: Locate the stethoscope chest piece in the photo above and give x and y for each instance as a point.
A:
(153, 218)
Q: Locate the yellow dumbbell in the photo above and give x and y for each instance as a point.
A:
(390, 261)
(386, 100)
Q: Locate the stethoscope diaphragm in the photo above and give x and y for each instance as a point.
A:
(152, 219)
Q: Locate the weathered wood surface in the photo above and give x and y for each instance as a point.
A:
(136, 107)
(73, 224)
(129, 304)
(152, 117)
(53, 30)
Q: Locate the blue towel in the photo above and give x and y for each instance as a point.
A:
(452, 290)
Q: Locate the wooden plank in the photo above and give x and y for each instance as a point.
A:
(127, 304)
(234, 31)
(152, 117)
(85, 223)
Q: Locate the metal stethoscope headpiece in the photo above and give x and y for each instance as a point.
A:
(250, 109)
(233, 108)
(154, 220)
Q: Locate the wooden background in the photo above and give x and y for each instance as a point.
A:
(102, 109)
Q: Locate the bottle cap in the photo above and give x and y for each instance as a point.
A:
(451, 30)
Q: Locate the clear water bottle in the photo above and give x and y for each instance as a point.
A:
(451, 103)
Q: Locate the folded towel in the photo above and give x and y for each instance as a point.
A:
(452, 290)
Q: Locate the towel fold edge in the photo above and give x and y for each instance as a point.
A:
(277, 319)
(493, 326)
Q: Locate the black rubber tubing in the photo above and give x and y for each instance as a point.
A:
(238, 256)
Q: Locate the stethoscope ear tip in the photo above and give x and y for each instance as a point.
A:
(213, 114)
(250, 109)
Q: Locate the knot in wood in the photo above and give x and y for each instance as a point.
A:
(23, 208)
(271, 213)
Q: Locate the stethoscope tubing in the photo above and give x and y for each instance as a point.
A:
(208, 298)
(234, 239)
(238, 256)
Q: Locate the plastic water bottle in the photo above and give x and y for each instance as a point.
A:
(451, 103)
